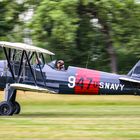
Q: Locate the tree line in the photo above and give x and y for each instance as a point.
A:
(97, 34)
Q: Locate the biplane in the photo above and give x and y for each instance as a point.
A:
(20, 72)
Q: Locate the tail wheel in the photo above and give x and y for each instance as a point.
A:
(16, 107)
(6, 108)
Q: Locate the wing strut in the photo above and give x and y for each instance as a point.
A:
(8, 60)
(43, 58)
(51, 57)
(14, 53)
(30, 67)
(20, 67)
(40, 69)
(9, 53)
(31, 56)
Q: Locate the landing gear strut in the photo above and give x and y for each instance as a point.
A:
(9, 106)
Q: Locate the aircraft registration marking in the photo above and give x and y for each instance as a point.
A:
(83, 84)
(111, 86)
(89, 82)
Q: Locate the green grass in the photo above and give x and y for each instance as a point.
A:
(73, 117)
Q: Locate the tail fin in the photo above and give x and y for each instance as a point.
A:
(135, 71)
(134, 74)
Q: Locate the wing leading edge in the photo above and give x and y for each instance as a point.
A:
(23, 46)
(26, 87)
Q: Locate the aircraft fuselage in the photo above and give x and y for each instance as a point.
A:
(73, 81)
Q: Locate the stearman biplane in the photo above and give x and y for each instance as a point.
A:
(25, 69)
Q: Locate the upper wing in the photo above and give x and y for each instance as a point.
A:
(23, 46)
(129, 79)
(26, 87)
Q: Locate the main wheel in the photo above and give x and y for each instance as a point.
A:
(6, 108)
(16, 108)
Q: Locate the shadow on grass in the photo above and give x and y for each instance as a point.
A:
(72, 115)
(56, 115)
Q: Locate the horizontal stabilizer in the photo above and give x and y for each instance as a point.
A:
(25, 87)
(129, 80)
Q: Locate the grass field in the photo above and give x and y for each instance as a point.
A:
(46, 116)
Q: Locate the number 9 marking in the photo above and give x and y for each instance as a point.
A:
(71, 81)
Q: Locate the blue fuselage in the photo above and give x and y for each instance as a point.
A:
(72, 81)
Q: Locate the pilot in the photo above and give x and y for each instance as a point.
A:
(60, 65)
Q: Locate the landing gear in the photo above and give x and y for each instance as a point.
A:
(9, 106)
(16, 108)
(6, 108)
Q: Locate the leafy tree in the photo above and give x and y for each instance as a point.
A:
(62, 27)
(9, 18)
(117, 20)
(82, 31)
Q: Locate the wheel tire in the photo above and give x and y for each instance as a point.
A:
(6, 108)
(17, 108)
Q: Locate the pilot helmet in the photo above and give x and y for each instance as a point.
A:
(60, 62)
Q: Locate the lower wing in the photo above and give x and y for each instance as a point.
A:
(26, 87)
